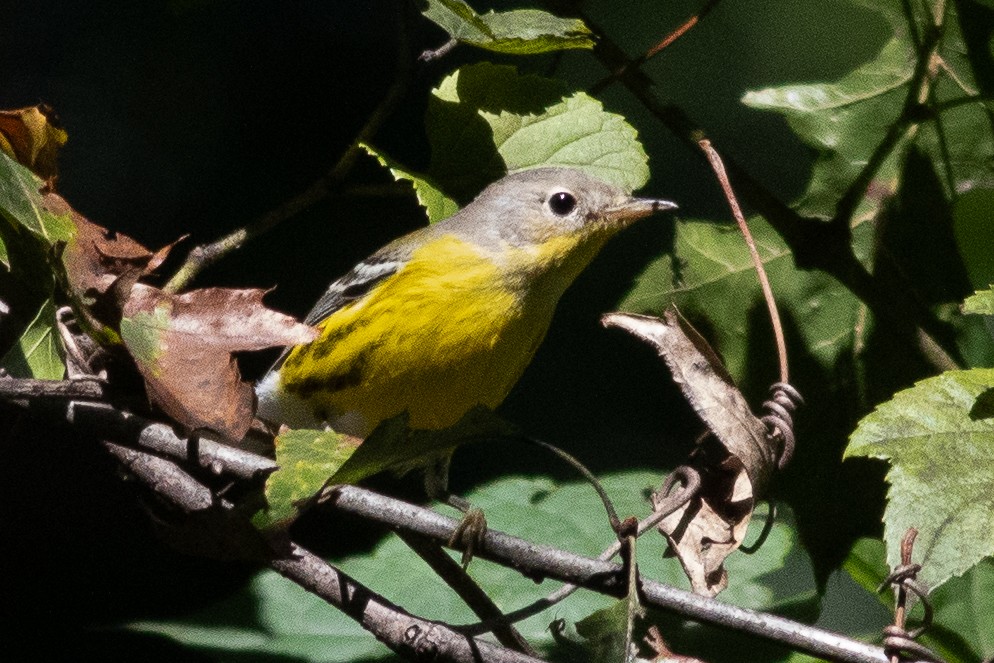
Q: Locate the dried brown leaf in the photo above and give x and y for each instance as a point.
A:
(183, 345)
(101, 266)
(733, 473)
(29, 136)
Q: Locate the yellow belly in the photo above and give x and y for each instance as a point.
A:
(446, 333)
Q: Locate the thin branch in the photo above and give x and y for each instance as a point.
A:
(141, 434)
(411, 637)
(656, 48)
(32, 389)
(205, 255)
(472, 594)
(86, 411)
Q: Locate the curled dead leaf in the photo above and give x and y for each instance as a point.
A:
(736, 462)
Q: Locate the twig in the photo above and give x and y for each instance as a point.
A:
(32, 389)
(456, 577)
(656, 48)
(410, 636)
(900, 616)
(431, 54)
(719, 170)
(899, 642)
(141, 434)
(205, 255)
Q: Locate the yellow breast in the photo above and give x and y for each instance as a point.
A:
(451, 330)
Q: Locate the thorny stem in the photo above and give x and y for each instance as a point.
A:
(203, 256)
(719, 170)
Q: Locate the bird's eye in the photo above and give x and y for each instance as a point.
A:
(562, 203)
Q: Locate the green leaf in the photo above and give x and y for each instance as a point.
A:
(846, 121)
(710, 276)
(306, 459)
(437, 205)
(517, 32)
(604, 632)
(392, 446)
(284, 620)
(21, 204)
(310, 459)
(942, 471)
(38, 352)
(487, 119)
(981, 303)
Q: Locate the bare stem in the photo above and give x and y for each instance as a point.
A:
(719, 170)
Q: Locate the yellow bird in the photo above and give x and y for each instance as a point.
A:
(448, 317)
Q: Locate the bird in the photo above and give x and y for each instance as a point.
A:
(448, 317)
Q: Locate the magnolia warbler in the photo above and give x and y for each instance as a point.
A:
(448, 317)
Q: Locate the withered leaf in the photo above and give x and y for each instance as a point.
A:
(101, 266)
(30, 137)
(183, 345)
(733, 473)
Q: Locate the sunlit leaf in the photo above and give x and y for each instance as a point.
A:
(22, 203)
(28, 135)
(38, 352)
(437, 205)
(517, 32)
(710, 276)
(306, 459)
(941, 471)
(980, 303)
(848, 119)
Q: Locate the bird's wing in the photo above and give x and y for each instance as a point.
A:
(355, 285)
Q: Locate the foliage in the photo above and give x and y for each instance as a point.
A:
(860, 140)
